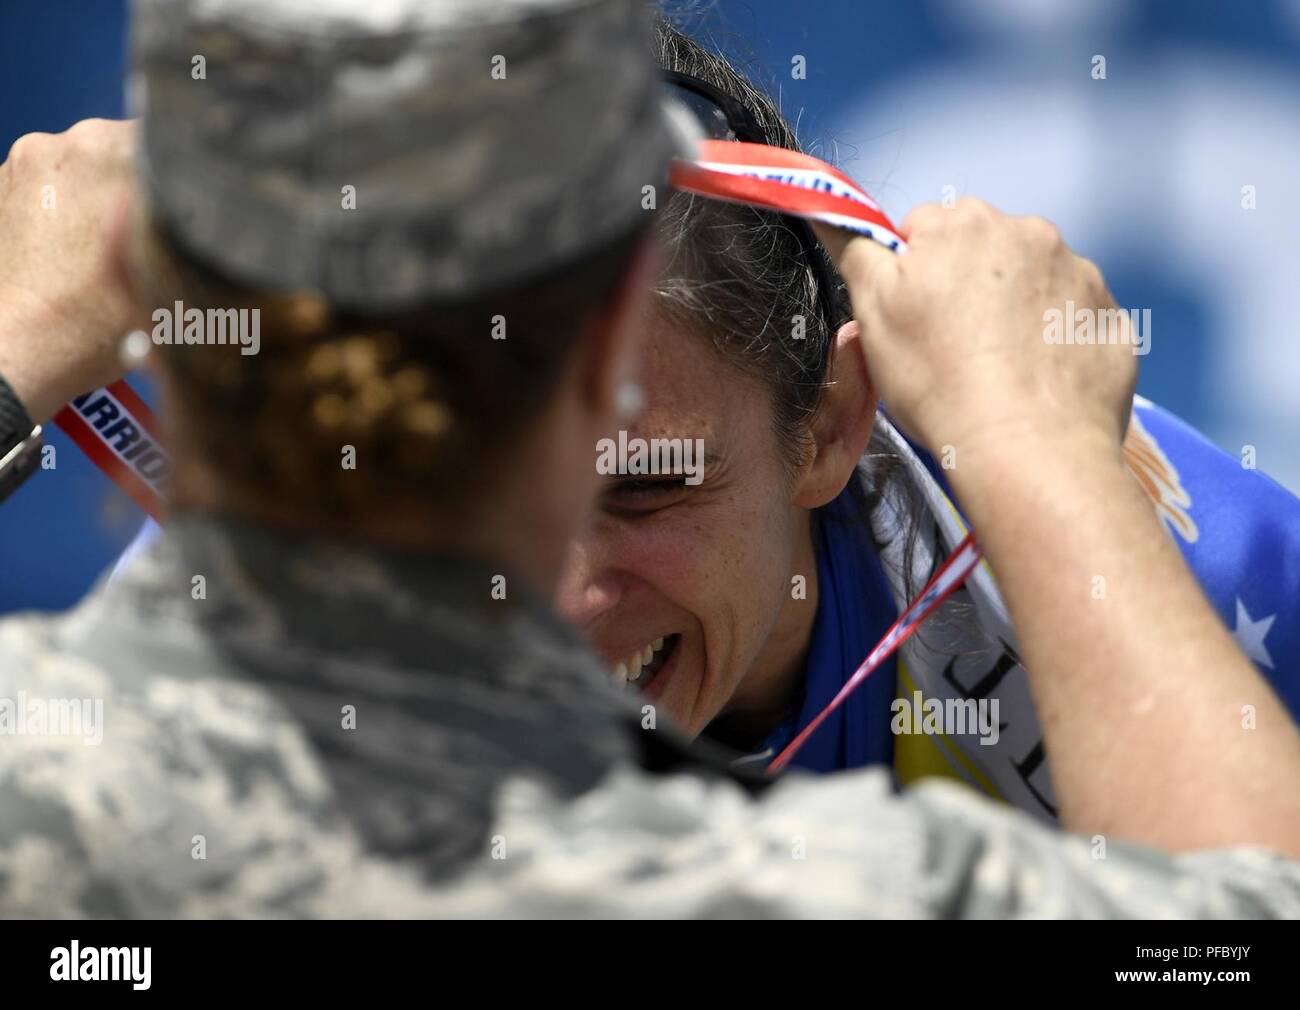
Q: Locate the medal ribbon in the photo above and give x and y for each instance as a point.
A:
(118, 431)
(793, 183)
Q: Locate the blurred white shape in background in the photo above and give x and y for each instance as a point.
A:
(1005, 18)
(1150, 172)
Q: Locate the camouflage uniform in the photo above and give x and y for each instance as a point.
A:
(490, 770)
(315, 730)
(397, 151)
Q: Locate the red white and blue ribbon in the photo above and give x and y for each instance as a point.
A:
(120, 434)
(951, 574)
(776, 179)
(793, 183)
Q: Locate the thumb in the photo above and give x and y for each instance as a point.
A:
(860, 261)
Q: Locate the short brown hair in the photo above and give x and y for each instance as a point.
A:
(426, 396)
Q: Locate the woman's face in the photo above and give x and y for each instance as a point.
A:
(697, 579)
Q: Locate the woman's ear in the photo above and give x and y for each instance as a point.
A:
(842, 425)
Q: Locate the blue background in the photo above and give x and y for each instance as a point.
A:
(1142, 171)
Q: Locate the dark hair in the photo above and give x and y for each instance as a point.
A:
(741, 277)
(427, 398)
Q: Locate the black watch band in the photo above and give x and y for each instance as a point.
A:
(20, 441)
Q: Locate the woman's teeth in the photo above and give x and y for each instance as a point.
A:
(636, 668)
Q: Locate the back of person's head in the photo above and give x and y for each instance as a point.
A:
(435, 209)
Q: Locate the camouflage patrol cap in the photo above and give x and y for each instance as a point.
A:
(391, 152)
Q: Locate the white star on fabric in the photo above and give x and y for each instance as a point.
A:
(1250, 635)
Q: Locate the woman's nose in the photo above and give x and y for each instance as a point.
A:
(586, 590)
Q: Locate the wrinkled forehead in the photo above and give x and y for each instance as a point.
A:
(692, 389)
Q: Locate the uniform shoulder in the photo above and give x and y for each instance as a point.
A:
(837, 846)
(137, 787)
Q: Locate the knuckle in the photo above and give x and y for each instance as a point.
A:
(1091, 274)
(86, 135)
(82, 130)
(974, 207)
(1041, 231)
(91, 129)
(923, 217)
(26, 147)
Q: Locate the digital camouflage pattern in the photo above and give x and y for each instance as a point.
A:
(396, 151)
(298, 728)
(491, 771)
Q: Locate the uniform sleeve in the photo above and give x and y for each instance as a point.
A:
(838, 846)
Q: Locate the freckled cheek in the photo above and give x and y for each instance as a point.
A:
(673, 562)
(733, 574)
(728, 576)
(759, 575)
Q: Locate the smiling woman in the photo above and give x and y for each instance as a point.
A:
(741, 357)
(742, 605)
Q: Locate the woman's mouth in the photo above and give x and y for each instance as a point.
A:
(635, 672)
